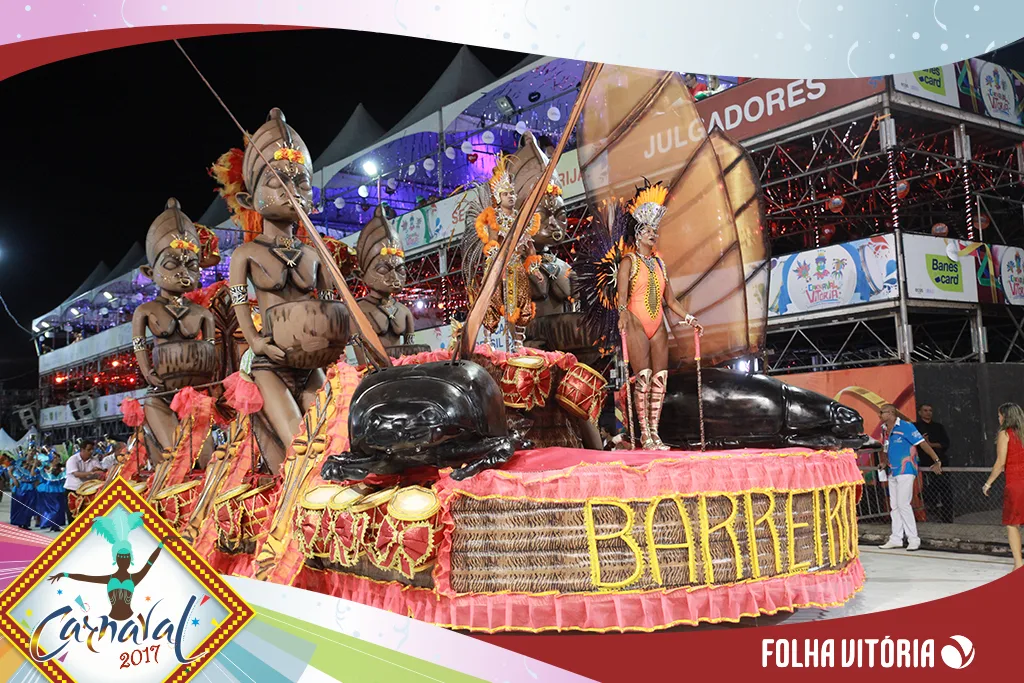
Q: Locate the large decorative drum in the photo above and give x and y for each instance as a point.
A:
(526, 382)
(581, 392)
(346, 544)
(175, 503)
(185, 363)
(408, 538)
(312, 334)
(370, 512)
(314, 521)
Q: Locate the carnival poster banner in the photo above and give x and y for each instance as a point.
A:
(837, 275)
(940, 269)
(991, 90)
(417, 228)
(1009, 264)
(937, 84)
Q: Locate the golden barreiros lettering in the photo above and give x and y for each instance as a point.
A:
(625, 533)
(692, 534)
(653, 546)
(791, 527)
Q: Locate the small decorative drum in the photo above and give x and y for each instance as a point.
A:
(581, 392)
(312, 333)
(175, 503)
(348, 528)
(228, 515)
(409, 535)
(314, 521)
(406, 350)
(185, 363)
(526, 382)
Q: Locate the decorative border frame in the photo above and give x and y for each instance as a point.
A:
(120, 492)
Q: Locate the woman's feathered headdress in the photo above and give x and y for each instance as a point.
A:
(648, 206)
(501, 179)
(115, 527)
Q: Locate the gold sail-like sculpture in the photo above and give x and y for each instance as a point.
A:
(642, 124)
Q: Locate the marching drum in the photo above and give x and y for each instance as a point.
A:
(410, 533)
(581, 392)
(371, 512)
(526, 382)
(258, 510)
(185, 363)
(175, 503)
(228, 517)
(348, 528)
(80, 499)
(314, 521)
(313, 333)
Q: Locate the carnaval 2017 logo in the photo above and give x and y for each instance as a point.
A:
(147, 633)
(120, 590)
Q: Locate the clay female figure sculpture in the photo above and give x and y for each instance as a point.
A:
(183, 331)
(382, 266)
(304, 327)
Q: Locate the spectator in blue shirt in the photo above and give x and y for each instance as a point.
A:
(899, 452)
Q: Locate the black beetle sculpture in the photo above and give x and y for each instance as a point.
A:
(755, 411)
(442, 414)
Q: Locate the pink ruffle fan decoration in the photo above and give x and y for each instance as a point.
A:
(242, 394)
(133, 413)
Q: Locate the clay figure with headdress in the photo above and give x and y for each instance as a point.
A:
(304, 327)
(183, 332)
(382, 268)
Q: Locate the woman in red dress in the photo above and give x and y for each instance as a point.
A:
(1010, 457)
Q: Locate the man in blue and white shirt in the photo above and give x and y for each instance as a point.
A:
(900, 454)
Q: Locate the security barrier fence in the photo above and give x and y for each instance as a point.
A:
(951, 511)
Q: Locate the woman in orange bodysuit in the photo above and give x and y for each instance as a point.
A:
(644, 291)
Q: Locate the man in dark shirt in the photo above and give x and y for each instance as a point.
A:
(938, 495)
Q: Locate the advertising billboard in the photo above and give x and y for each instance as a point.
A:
(940, 269)
(833, 276)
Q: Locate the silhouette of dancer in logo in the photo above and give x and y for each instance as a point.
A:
(115, 528)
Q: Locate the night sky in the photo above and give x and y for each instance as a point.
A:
(97, 144)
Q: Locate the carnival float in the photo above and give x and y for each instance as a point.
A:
(469, 487)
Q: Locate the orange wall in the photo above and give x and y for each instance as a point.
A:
(854, 388)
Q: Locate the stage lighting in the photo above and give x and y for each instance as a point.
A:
(504, 104)
(370, 168)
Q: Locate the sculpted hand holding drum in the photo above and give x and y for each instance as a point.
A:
(183, 331)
